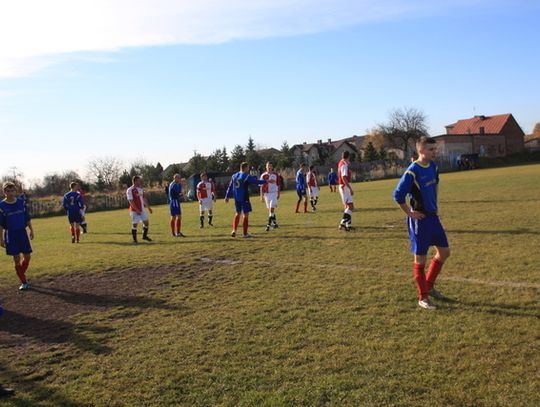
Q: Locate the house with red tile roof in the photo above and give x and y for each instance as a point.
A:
(328, 152)
(488, 136)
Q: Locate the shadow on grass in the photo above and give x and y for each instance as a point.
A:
(53, 331)
(506, 310)
(30, 393)
(101, 300)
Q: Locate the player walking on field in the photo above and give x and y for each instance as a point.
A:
(313, 187)
(206, 194)
(15, 230)
(301, 187)
(270, 194)
(174, 196)
(138, 206)
(239, 189)
(346, 192)
(73, 204)
(420, 181)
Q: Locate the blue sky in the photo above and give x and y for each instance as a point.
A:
(136, 83)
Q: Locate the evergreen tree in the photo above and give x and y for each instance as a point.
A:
(237, 157)
(370, 153)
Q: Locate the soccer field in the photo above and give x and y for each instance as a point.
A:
(301, 315)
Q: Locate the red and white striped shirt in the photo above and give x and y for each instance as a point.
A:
(205, 190)
(272, 182)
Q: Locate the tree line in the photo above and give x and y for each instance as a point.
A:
(403, 127)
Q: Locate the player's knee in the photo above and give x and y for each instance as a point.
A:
(443, 253)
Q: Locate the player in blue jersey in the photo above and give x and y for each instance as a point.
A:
(174, 196)
(420, 181)
(301, 187)
(332, 180)
(239, 189)
(14, 223)
(73, 204)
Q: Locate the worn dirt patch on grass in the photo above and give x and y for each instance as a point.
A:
(41, 315)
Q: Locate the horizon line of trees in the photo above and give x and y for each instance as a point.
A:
(403, 128)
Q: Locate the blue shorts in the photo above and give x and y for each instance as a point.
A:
(242, 206)
(301, 193)
(426, 232)
(74, 217)
(175, 208)
(17, 242)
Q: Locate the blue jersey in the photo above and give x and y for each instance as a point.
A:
(73, 202)
(300, 180)
(14, 216)
(420, 182)
(332, 178)
(239, 186)
(175, 192)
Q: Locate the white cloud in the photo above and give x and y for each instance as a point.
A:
(36, 33)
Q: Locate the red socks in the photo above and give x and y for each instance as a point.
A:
(173, 231)
(421, 283)
(178, 224)
(20, 269)
(305, 207)
(236, 221)
(72, 230)
(433, 271)
(78, 233)
(297, 206)
(245, 225)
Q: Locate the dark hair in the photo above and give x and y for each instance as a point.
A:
(345, 154)
(135, 178)
(203, 174)
(73, 184)
(243, 166)
(422, 141)
(311, 167)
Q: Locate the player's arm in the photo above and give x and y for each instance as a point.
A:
(400, 194)
(199, 193)
(65, 203)
(2, 225)
(228, 193)
(147, 204)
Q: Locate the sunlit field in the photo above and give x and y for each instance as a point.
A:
(301, 315)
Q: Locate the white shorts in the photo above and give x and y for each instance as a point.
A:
(136, 217)
(313, 192)
(206, 204)
(271, 199)
(346, 196)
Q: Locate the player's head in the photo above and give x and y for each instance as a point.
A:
(204, 176)
(269, 166)
(427, 148)
(303, 166)
(136, 180)
(9, 189)
(244, 167)
(331, 169)
(74, 185)
(345, 155)
(311, 167)
(177, 178)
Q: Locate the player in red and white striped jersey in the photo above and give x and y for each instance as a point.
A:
(313, 187)
(270, 194)
(206, 194)
(346, 192)
(137, 208)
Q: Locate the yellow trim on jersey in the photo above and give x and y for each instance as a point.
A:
(421, 165)
(414, 177)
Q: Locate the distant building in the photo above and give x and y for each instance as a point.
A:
(328, 152)
(533, 145)
(488, 136)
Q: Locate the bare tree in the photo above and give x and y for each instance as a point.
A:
(105, 172)
(404, 127)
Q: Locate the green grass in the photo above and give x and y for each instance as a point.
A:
(310, 316)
